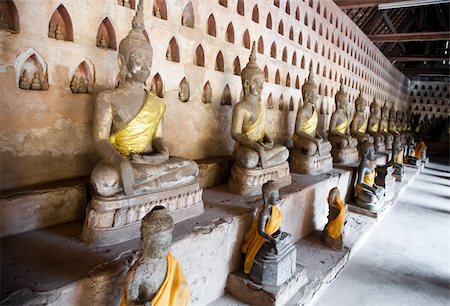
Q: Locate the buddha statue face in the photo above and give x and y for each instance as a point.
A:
(310, 96)
(360, 105)
(370, 153)
(156, 233)
(157, 245)
(139, 64)
(254, 86)
(333, 195)
(374, 109)
(341, 102)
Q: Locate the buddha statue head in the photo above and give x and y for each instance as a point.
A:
(341, 99)
(374, 109)
(360, 103)
(135, 53)
(271, 193)
(309, 90)
(333, 195)
(367, 151)
(252, 76)
(385, 111)
(392, 114)
(156, 233)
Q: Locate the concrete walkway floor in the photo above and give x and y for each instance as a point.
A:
(406, 261)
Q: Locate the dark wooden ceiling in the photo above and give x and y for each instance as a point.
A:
(416, 39)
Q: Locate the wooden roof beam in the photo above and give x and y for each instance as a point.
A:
(385, 4)
(419, 58)
(417, 36)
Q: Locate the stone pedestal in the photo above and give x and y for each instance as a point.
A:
(242, 288)
(371, 209)
(336, 244)
(312, 165)
(117, 219)
(386, 180)
(345, 156)
(249, 182)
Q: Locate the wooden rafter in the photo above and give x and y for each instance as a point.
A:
(417, 36)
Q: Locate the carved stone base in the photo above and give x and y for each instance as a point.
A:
(311, 165)
(248, 182)
(336, 244)
(371, 209)
(117, 219)
(345, 156)
(386, 179)
(272, 269)
(242, 288)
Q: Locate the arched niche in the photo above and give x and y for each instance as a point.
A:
(160, 9)
(212, 25)
(9, 17)
(157, 86)
(281, 103)
(82, 80)
(266, 74)
(219, 66)
(199, 56)
(291, 104)
(230, 33)
(288, 8)
(284, 55)
(297, 14)
(224, 3)
(269, 21)
(300, 38)
(207, 93)
(106, 36)
(246, 39)
(187, 17)
(237, 66)
(261, 45)
(240, 7)
(302, 64)
(281, 28)
(31, 71)
(60, 25)
(288, 80)
(294, 59)
(173, 52)
(255, 14)
(183, 91)
(273, 50)
(291, 34)
(127, 3)
(297, 83)
(226, 96)
(269, 103)
(277, 77)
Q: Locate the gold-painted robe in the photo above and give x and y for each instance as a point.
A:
(363, 127)
(256, 130)
(341, 128)
(253, 241)
(369, 178)
(309, 124)
(334, 227)
(419, 149)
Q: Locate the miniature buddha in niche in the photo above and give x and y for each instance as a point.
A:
(75, 84)
(384, 127)
(359, 122)
(373, 126)
(128, 128)
(156, 278)
(58, 34)
(333, 234)
(103, 43)
(24, 82)
(83, 86)
(253, 146)
(367, 194)
(36, 81)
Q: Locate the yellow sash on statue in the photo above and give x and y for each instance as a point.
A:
(374, 128)
(309, 124)
(334, 227)
(384, 129)
(141, 130)
(255, 132)
(341, 128)
(253, 241)
(363, 128)
(399, 157)
(369, 179)
(419, 149)
(174, 290)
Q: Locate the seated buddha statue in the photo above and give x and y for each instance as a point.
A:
(359, 122)
(416, 152)
(384, 127)
(333, 232)
(396, 160)
(373, 125)
(306, 139)
(253, 146)
(392, 124)
(24, 82)
(367, 194)
(156, 278)
(129, 130)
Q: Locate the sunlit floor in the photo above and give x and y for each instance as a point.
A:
(406, 261)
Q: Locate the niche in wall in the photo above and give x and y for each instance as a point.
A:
(9, 17)
(82, 80)
(60, 25)
(226, 96)
(157, 86)
(183, 91)
(106, 36)
(31, 71)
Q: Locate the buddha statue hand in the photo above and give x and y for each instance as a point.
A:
(262, 156)
(126, 176)
(152, 159)
(267, 143)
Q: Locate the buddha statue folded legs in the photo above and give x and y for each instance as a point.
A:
(136, 172)
(311, 153)
(344, 145)
(257, 158)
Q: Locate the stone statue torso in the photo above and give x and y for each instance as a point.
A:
(251, 111)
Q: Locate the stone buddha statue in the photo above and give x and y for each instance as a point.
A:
(136, 172)
(344, 145)
(36, 81)
(128, 129)
(384, 127)
(103, 43)
(416, 152)
(58, 34)
(333, 233)
(311, 152)
(264, 240)
(367, 194)
(392, 124)
(373, 126)
(359, 122)
(254, 149)
(24, 82)
(156, 278)
(75, 84)
(396, 160)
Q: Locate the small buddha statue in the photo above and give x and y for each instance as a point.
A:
(51, 31)
(264, 239)
(306, 139)
(373, 126)
(384, 127)
(3, 23)
(156, 12)
(392, 124)
(126, 3)
(103, 43)
(128, 128)
(396, 160)
(416, 152)
(183, 92)
(270, 103)
(83, 85)
(281, 104)
(333, 233)
(169, 54)
(75, 84)
(44, 82)
(36, 81)
(24, 82)
(253, 146)
(156, 278)
(359, 122)
(58, 34)
(367, 194)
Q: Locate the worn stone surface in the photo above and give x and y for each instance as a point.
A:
(30, 210)
(214, 171)
(312, 165)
